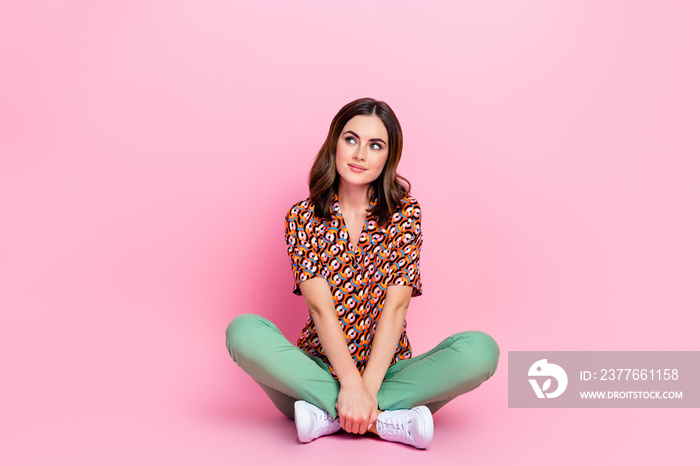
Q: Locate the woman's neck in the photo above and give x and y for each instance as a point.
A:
(353, 198)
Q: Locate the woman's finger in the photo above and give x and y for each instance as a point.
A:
(373, 418)
(363, 428)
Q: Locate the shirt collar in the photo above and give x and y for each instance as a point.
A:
(335, 205)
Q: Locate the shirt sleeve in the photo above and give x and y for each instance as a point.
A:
(407, 246)
(301, 245)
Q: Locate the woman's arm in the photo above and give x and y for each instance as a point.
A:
(355, 404)
(386, 339)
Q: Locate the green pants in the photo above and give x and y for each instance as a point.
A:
(286, 373)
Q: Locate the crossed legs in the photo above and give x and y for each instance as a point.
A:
(459, 364)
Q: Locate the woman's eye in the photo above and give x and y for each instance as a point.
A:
(376, 146)
(350, 140)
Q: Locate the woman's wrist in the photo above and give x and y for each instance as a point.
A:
(371, 385)
(351, 380)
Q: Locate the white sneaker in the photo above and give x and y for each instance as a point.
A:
(410, 426)
(313, 422)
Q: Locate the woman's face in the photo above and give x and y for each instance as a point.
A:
(362, 150)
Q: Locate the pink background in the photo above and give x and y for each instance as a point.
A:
(149, 151)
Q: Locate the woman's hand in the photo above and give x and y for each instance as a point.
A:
(357, 408)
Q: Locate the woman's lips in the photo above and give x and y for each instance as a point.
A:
(356, 168)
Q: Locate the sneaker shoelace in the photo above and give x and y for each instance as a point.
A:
(397, 426)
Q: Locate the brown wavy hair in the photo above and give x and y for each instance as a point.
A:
(388, 189)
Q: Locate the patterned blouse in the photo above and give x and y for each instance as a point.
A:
(358, 278)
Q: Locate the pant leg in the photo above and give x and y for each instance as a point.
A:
(457, 365)
(286, 373)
